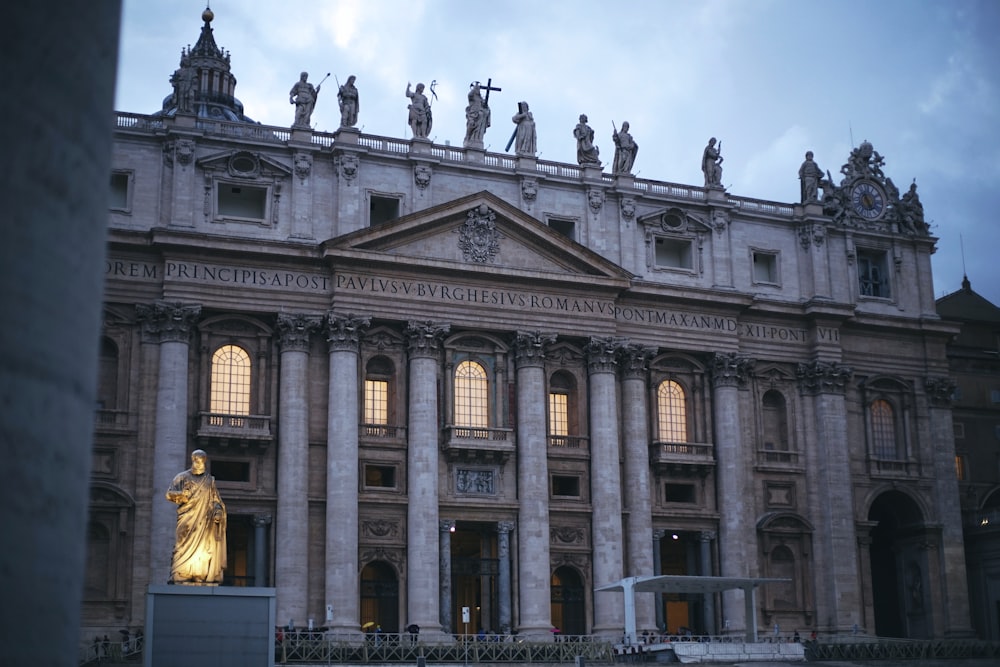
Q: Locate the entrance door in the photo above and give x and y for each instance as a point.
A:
(379, 597)
(898, 568)
(569, 608)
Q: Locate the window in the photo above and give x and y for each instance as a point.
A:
(775, 421)
(959, 429)
(380, 476)
(566, 485)
(471, 395)
(671, 412)
(674, 253)
(678, 493)
(565, 227)
(230, 471)
(382, 209)
(230, 381)
(242, 201)
(378, 417)
(376, 402)
(562, 410)
(765, 267)
(119, 191)
(883, 430)
(873, 274)
(558, 414)
(960, 472)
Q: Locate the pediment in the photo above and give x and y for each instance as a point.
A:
(480, 233)
(676, 220)
(244, 164)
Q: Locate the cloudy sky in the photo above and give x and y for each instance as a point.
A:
(919, 79)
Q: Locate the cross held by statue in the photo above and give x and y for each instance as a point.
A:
(488, 87)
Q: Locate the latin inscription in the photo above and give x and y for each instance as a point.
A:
(209, 273)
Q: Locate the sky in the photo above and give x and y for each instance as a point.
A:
(919, 79)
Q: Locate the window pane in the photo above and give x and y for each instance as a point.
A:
(558, 414)
(230, 381)
(672, 412)
(376, 402)
(883, 430)
(471, 397)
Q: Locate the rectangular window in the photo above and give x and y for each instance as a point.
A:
(678, 493)
(674, 253)
(873, 274)
(565, 485)
(119, 191)
(565, 227)
(242, 201)
(960, 467)
(959, 429)
(230, 471)
(558, 414)
(382, 209)
(380, 477)
(376, 402)
(765, 267)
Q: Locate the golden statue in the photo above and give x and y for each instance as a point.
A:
(200, 547)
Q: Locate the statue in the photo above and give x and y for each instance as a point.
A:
(477, 117)
(711, 164)
(185, 86)
(303, 95)
(586, 151)
(347, 96)
(911, 211)
(200, 546)
(420, 119)
(809, 176)
(625, 150)
(524, 133)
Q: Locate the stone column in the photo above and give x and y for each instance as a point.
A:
(534, 573)
(445, 528)
(172, 323)
(954, 615)
(291, 558)
(705, 557)
(260, 524)
(661, 620)
(605, 485)
(637, 491)
(343, 586)
(838, 594)
(504, 589)
(736, 522)
(422, 547)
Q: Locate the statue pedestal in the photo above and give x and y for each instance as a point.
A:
(207, 626)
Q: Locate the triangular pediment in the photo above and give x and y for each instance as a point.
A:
(675, 220)
(476, 233)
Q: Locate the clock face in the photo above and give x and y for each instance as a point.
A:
(868, 200)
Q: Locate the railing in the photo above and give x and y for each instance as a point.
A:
(111, 651)
(777, 456)
(893, 467)
(670, 189)
(762, 206)
(384, 144)
(880, 648)
(569, 441)
(254, 427)
(478, 433)
(312, 647)
(684, 449)
(140, 122)
(383, 431)
(112, 419)
(249, 131)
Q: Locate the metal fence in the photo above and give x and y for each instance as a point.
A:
(900, 649)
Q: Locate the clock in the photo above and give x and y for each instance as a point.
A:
(868, 200)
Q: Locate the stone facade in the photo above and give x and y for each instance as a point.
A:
(497, 382)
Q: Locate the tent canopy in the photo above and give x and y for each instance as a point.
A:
(669, 583)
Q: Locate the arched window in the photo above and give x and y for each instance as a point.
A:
(562, 409)
(230, 381)
(377, 400)
(471, 395)
(671, 404)
(883, 424)
(775, 421)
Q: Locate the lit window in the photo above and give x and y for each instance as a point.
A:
(376, 402)
(471, 395)
(558, 414)
(883, 430)
(672, 412)
(960, 467)
(230, 381)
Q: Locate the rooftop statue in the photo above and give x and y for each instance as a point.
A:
(477, 117)
(303, 95)
(810, 176)
(347, 96)
(586, 151)
(524, 133)
(185, 83)
(420, 118)
(711, 164)
(625, 150)
(200, 545)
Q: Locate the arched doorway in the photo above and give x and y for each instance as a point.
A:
(899, 567)
(569, 609)
(380, 596)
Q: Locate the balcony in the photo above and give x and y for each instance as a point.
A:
(383, 434)
(893, 468)
(685, 459)
(568, 446)
(471, 444)
(222, 430)
(113, 420)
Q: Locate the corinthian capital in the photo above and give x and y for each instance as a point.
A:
(821, 377)
(168, 321)
(940, 391)
(344, 331)
(294, 331)
(730, 369)
(602, 354)
(424, 338)
(634, 360)
(530, 346)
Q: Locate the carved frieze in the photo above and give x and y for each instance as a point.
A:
(566, 535)
(380, 528)
(478, 482)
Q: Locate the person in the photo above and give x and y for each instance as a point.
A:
(711, 164)
(625, 150)
(200, 547)
(809, 177)
(586, 151)
(414, 631)
(303, 95)
(420, 112)
(477, 117)
(525, 140)
(347, 95)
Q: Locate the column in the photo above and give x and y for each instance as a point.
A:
(422, 547)
(260, 524)
(661, 619)
(838, 594)
(638, 494)
(343, 586)
(445, 528)
(953, 617)
(504, 529)
(534, 567)
(605, 485)
(172, 323)
(736, 516)
(291, 557)
(705, 557)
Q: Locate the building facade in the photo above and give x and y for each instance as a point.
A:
(430, 378)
